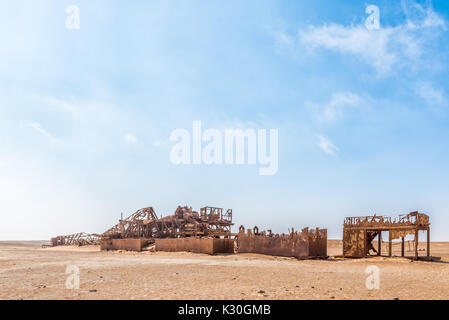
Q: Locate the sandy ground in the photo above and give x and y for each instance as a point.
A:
(28, 271)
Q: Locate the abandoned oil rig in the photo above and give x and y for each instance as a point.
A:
(208, 231)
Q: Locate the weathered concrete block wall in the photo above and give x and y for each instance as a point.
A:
(197, 245)
(130, 244)
(296, 244)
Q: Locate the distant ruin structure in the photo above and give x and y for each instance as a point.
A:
(359, 233)
(76, 239)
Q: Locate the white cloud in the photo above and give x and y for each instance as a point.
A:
(327, 146)
(38, 127)
(130, 138)
(63, 105)
(383, 49)
(333, 110)
(431, 95)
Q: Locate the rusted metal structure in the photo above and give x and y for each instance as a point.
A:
(77, 239)
(308, 243)
(210, 222)
(144, 226)
(359, 233)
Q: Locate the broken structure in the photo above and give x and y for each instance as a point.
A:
(203, 231)
(77, 239)
(210, 222)
(307, 243)
(359, 233)
(195, 244)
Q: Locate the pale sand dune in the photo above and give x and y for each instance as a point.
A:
(28, 271)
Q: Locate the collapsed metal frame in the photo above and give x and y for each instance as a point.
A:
(359, 232)
(78, 239)
(144, 223)
(185, 222)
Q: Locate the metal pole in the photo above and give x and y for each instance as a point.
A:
(402, 247)
(379, 245)
(389, 244)
(365, 241)
(416, 243)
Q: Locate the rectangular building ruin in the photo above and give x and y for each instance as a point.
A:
(196, 245)
(129, 244)
(359, 233)
(308, 243)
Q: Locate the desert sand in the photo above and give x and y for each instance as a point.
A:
(28, 271)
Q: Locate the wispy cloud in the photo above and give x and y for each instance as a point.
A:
(38, 127)
(433, 96)
(130, 138)
(327, 146)
(333, 110)
(63, 105)
(383, 49)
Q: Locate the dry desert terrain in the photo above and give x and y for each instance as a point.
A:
(28, 271)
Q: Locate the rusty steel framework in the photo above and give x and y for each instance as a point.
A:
(78, 239)
(185, 222)
(144, 223)
(359, 233)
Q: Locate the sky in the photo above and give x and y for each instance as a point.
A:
(86, 114)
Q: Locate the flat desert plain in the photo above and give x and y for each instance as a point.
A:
(28, 271)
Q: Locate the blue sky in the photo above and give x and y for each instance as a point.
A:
(86, 115)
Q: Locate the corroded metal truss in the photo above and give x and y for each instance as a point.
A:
(144, 223)
(78, 239)
(184, 222)
(359, 233)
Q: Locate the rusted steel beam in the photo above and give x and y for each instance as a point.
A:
(402, 246)
(416, 244)
(390, 238)
(379, 245)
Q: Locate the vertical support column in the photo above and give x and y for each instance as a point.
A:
(365, 243)
(389, 243)
(416, 244)
(402, 247)
(379, 245)
(428, 242)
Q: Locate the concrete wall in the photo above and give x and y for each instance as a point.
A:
(317, 242)
(302, 244)
(197, 245)
(130, 244)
